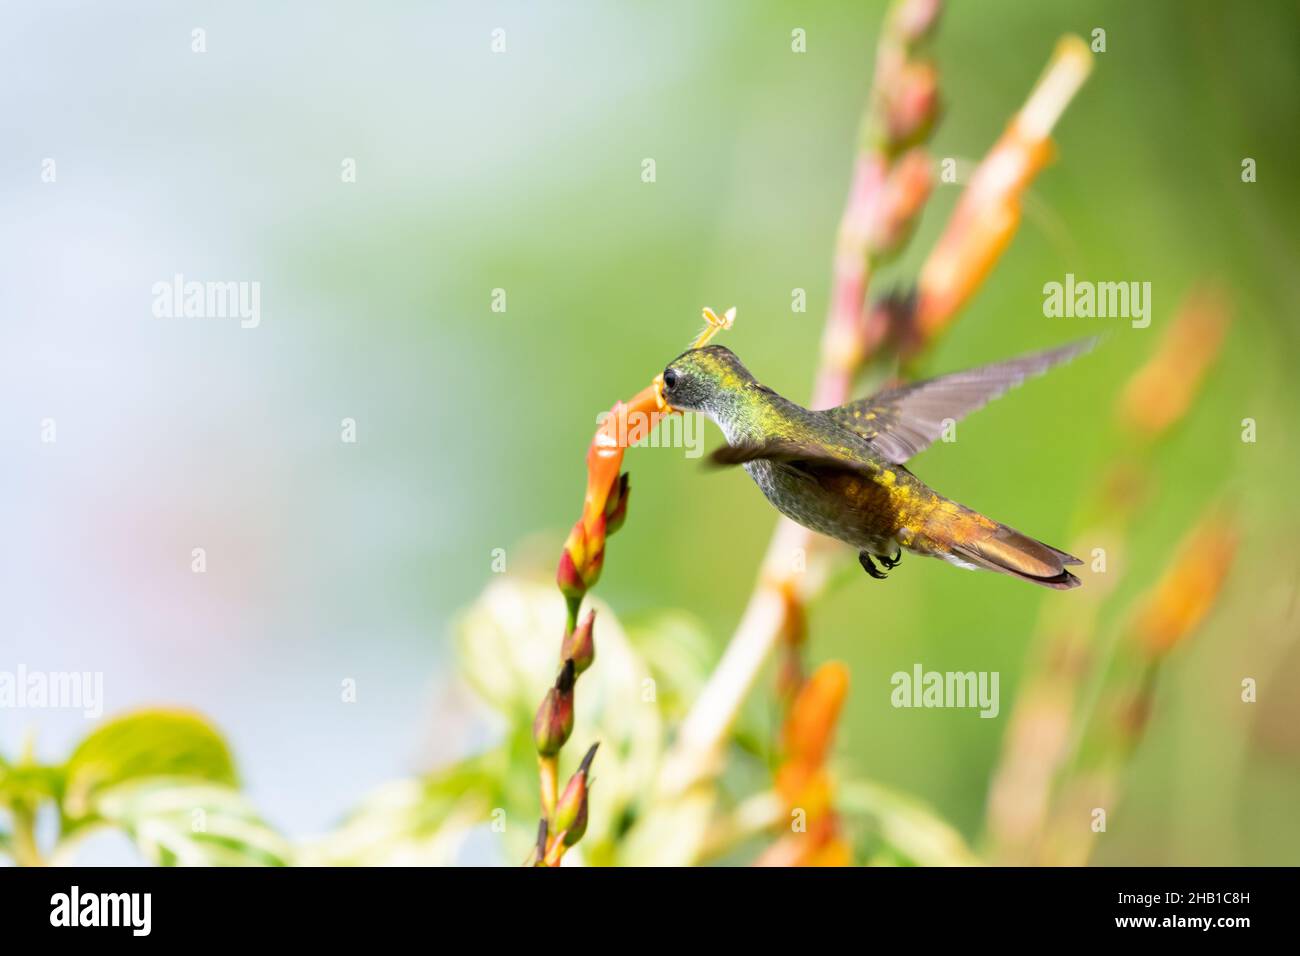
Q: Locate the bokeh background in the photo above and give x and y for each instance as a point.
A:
(476, 171)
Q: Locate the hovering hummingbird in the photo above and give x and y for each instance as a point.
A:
(840, 471)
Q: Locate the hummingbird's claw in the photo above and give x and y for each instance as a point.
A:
(869, 566)
(892, 562)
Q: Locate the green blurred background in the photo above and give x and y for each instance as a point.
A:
(521, 171)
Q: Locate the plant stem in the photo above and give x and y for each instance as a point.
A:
(26, 851)
(548, 769)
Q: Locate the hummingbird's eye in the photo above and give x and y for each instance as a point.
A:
(670, 378)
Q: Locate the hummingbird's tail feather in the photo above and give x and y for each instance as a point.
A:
(995, 547)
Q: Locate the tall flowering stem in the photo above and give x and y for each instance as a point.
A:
(891, 180)
(604, 508)
(1049, 716)
(885, 197)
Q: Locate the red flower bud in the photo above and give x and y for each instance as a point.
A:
(554, 721)
(910, 105)
(905, 192)
(571, 811)
(595, 556)
(567, 577)
(580, 645)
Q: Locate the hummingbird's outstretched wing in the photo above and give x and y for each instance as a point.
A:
(790, 451)
(901, 422)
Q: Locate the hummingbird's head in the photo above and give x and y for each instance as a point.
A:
(709, 380)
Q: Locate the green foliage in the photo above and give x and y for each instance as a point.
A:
(673, 645)
(418, 822)
(28, 784)
(143, 744)
(890, 827)
(180, 822)
(163, 777)
(166, 779)
(507, 643)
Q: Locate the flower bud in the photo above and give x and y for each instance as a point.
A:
(582, 558)
(904, 194)
(910, 105)
(554, 721)
(580, 645)
(896, 310)
(595, 552)
(616, 505)
(578, 828)
(571, 811)
(569, 574)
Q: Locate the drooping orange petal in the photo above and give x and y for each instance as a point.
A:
(814, 713)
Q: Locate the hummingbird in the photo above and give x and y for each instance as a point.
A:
(840, 472)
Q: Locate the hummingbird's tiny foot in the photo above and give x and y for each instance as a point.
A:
(891, 563)
(869, 566)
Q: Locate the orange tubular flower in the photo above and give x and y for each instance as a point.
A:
(1189, 588)
(1163, 389)
(811, 724)
(802, 781)
(605, 504)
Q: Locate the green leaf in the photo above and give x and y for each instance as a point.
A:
(678, 651)
(178, 822)
(672, 833)
(144, 744)
(29, 784)
(901, 828)
(417, 822)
